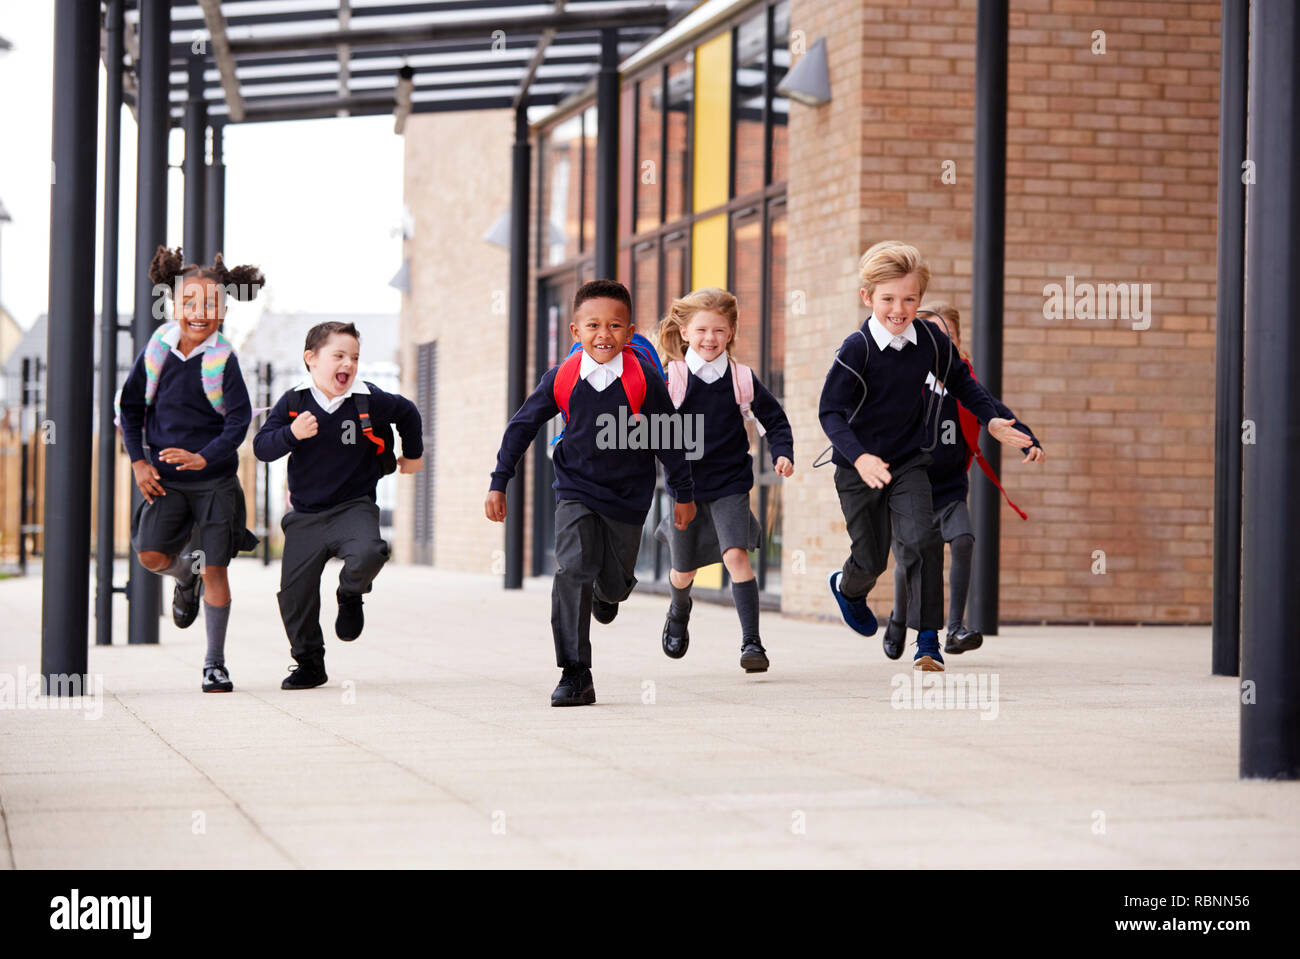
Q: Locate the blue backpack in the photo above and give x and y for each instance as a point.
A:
(639, 345)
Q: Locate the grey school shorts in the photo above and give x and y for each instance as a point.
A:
(719, 525)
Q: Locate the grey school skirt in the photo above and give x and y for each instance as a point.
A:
(719, 525)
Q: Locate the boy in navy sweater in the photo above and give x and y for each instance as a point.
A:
(604, 481)
(184, 411)
(336, 432)
(876, 409)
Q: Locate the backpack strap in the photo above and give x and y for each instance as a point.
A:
(679, 375)
(566, 377)
(213, 371)
(362, 402)
(970, 432)
(634, 383)
(742, 383)
(295, 402)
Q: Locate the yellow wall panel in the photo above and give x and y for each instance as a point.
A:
(712, 122)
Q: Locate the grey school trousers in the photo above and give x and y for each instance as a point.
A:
(349, 531)
(903, 508)
(594, 555)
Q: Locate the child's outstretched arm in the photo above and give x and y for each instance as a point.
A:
(987, 408)
(780, 438)
(538, 410)
(278, 437)
(677, 468)
(405, 415)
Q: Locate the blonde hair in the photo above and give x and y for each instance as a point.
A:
(672, 345)
(952, 318)
(892, 260)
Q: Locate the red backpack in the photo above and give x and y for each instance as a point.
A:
(566, 377)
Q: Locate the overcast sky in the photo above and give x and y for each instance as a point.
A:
(315, 203)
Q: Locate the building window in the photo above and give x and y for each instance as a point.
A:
(677, 159)
(748, 98)
(649, 151)
(779, 128)
(562, 198)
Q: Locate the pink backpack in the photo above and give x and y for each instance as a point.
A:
(742, 382)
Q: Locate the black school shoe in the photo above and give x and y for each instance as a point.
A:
(351, 620)
(895, 638)
(216, 679)
(753, 657)
(603, 612)
(575, 689)
(675, 646)
(308, 674)
(185, 602)
(962, 640)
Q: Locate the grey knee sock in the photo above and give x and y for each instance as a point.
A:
(681, 599)
(959, 577)
(215, 618)
(899, 615)
(746, 596)
(182, 568)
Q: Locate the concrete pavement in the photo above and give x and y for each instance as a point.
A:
(434, 745)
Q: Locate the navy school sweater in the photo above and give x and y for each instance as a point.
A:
(618, 483)
(181, 417)
(950, 473)
(725, 466)
(327, 469)
(891, 422)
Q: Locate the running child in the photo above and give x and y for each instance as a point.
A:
(876, 409)
(337, 432)
(184, 411)
(949, 486)
(697, 339)
(604, 483)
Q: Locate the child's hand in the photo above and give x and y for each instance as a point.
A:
(147, 480)
(495, 506)
(783, 466)
(182, 459)
(410, 466)
(1035, 455)
(1006, 434)
(683, 513)
(873, 470)
(304, 425)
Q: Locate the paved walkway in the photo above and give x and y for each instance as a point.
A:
(434, 745)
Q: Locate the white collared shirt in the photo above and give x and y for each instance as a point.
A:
(710, 371)
(884, 338)
(600, 375)
(173, 339)
(326, 403)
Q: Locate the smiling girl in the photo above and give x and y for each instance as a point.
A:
(697, 338)
(184, 411)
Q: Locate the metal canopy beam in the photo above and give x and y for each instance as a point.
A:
(653, 15)
(216, 25)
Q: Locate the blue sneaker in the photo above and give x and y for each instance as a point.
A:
(928, 658)
(854, 611)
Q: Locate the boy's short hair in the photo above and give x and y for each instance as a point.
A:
(611, 289)
(321, 332)
(892, 260)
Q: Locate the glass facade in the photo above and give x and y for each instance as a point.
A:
(702, 203)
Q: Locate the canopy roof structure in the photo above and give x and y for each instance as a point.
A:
(300, 59)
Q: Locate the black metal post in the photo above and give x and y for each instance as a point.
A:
(144, 591)
(65, 591)
(195, 164)
(607, 157)
(24, 466)
(989, 232)
(104, 551)
(516, 374)
(266, 377)
(215, 204)
(1226, 630)
(1270, 655)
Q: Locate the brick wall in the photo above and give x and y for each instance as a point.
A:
(1111, 174)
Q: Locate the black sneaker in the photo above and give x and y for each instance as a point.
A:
(895, 638)
(185, 601)
(677, 638)
(603, 612)
(753, 657)
(216, 679)
(351, 620)
(575, 688)
(309, 673)
(962, 640)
